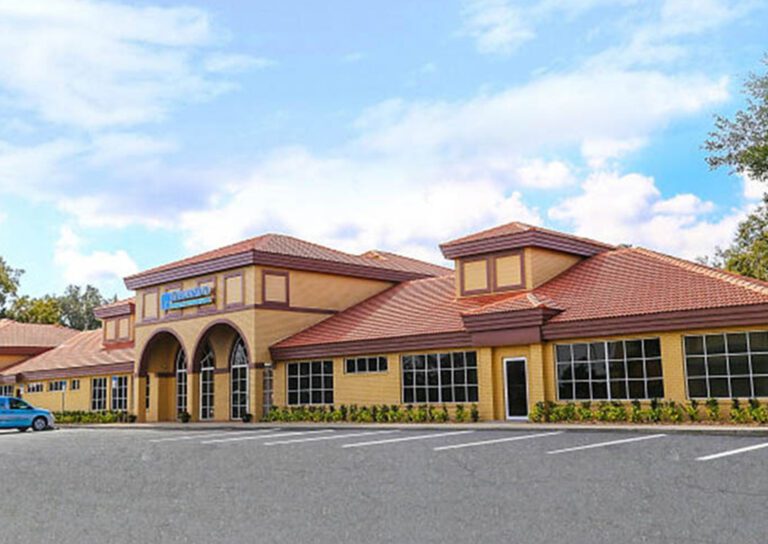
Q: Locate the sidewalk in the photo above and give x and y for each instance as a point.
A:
(738, 430)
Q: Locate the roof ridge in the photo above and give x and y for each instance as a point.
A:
(752, 284)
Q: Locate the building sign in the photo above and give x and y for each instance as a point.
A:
(175, 300)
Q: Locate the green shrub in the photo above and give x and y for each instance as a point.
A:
(474, 413)
(692, 410)
(584, 411)
(671, 412)
(460, 415)
(740, 414)
(539, 413)
(636, 412)
(713, 409)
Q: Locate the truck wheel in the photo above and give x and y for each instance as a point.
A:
(39, 424)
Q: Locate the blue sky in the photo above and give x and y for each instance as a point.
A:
(132, 134)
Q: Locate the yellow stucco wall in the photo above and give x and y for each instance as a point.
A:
(541, 265)
(367, 389)
(8, 360)
(69, 400)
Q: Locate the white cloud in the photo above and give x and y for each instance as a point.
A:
(24, 169)
(661, 39)
(497, 26)
(97, 267)
(233, 63)
(501, 27)
(355, 56)
(753, 189)
(558, 110)
(96, 64)
(630, 209)
(540, 174)
(310, 197)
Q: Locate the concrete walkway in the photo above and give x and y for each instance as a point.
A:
(724, 429)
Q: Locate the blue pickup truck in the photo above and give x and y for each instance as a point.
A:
(18, 414)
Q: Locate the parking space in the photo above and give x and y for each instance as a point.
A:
(300, 484)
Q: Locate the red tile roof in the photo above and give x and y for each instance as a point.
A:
(516, 227)
(116, 308)
(637, 281)
(288, 246)
(84, 350)
(408, 264)
(15, 334)
(618, 283)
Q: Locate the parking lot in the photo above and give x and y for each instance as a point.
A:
(383, 485)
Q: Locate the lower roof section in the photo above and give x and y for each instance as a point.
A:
(624, 290)
(81, 355)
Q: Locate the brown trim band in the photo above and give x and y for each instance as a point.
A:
(256, 366)
(118, 345)
(113, 368)
(537, 238)
(214, 313)
(24, 350)
(115, 310)
(534, 317)
(254, 257)
(378, 345)
(755, 314)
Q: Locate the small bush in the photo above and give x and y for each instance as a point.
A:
(713, 409)
(460, 415)
(474, 413)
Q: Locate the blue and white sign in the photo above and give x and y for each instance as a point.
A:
(175, 300)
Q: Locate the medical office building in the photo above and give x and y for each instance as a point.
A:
(526, 314)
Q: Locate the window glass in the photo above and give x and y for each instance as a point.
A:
(442, 377)
(728, 365)
(624, 369)
(315, 385)
(238, 374)
(98, 394)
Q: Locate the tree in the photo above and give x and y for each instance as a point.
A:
(748, 253)
(741, 143)
(9, 284)
(77, 307)
(26, 309)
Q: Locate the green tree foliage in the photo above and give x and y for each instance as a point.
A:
(748, 253)
(26, 309)
(9, 284)
(73, 309)
(741, 143)
(77, 307)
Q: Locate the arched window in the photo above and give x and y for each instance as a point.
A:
(207, 365)
(181, 381)
(238, 362)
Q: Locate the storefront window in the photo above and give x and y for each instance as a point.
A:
(239, 378)
(727, 365)
(207, 366)
(440, 377)
(310, 382)
(618, 370)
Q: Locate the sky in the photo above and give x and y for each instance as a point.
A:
(134, 134)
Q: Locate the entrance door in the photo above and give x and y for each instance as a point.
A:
(517, 388)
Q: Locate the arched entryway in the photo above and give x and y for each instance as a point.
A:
(163, 378)
(222, 361)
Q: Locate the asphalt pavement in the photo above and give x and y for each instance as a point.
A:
(377, 485)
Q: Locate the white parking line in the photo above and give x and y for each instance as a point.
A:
(208, 435)
(733, 452)
(494, 441)
(405, 439)
(279, 435)
(334, 437)
(604, 444)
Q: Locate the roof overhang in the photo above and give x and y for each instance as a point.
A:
(115, 310)
(531, 238)
(709, 318)
(256, 257)
(75, 372)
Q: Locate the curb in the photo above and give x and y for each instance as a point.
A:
(722, 430)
